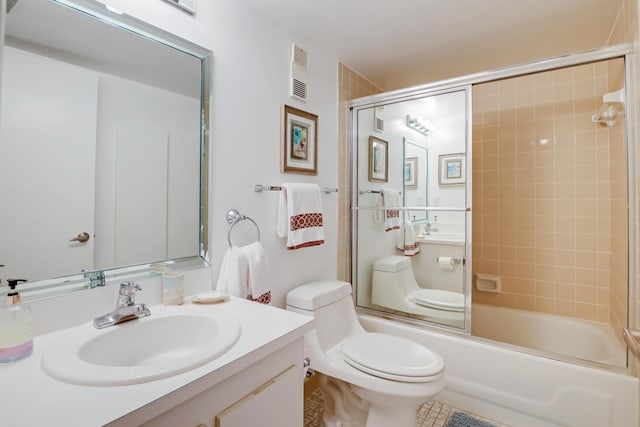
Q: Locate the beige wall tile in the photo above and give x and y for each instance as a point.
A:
(555, 213)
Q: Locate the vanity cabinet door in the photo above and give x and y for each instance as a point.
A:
(271, 404)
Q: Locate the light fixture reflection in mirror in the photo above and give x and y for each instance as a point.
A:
(419, 124)
(119, 152)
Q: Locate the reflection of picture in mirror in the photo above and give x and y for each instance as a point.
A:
(451, 169)
(378, 159)
(299, 138)
(411, 172)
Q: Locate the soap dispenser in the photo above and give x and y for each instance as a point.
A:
(16, 334)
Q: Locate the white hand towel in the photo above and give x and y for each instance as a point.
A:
(300, 215)
(258, 264)
(407, 242)
(233, 276)
(245, 273)
(391, 199)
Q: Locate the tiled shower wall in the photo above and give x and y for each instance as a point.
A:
(351, 86)
(542, 192)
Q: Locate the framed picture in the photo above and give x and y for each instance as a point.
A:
(299, 148)
(378, 160)
(451, 170)
(411, 172)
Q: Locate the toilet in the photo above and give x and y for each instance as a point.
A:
(394, 286)
(368, 379)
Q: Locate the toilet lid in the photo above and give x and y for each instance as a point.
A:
(392, 357)
(438, 299)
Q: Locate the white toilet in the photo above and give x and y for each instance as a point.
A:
(394, 286)
(370, 379)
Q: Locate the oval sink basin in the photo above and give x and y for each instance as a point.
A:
(140, 350)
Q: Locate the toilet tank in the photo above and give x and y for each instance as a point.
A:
(392, 273)
(331, 304)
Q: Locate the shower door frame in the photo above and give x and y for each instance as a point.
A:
(624, 51)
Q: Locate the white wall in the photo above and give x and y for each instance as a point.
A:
(250, 85)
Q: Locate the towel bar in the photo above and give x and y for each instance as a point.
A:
(361, 192)
(233, 217)
(260, 188)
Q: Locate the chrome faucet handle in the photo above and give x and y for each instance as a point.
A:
(127, 293)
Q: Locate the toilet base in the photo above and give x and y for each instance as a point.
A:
(342, 407)
(388, 410)
(347, 405)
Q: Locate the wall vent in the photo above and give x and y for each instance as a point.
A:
(186, 5)
(378, 122)
(299, 84)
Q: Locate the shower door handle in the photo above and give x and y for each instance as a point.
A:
(632, 339)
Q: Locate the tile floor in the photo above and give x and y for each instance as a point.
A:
(430, 414)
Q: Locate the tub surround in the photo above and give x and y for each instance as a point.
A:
(270, 344)
(521, 389)
(575, 338)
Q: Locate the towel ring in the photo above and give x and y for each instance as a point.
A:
(233, 217)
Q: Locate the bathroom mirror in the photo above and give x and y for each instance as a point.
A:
(103, 153)
(415, 191)
(423, 133)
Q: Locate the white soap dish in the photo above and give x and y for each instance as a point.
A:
(212, 297)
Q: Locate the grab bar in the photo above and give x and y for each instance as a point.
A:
(632, 339)
(405, 208)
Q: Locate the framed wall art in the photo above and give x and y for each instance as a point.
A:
(451, 169)
(299, 147)
(378, 159)
(411, 172)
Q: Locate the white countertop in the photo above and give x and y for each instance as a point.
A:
(29, 397)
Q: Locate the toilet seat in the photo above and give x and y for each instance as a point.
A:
(439, 299)
(391, 357)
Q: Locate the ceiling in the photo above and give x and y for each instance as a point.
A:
(402, 43)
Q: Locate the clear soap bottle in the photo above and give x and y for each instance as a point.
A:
(16, 333)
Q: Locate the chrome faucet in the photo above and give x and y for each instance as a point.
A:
(431, 227)
(126, 307)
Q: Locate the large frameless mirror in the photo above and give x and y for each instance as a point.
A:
(410, 217)
(103, 146)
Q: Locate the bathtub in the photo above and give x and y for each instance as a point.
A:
(582, 339)
(521, 389)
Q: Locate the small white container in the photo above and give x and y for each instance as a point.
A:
(172, 288)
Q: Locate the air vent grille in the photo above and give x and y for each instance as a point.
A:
(299, 89)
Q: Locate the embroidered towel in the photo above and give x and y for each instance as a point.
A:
(407, 242)
(390, 199)
(300, 215)
(244, 273)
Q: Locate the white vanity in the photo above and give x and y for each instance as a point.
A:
(258, 381)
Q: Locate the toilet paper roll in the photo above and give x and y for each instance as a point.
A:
(445, 263)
